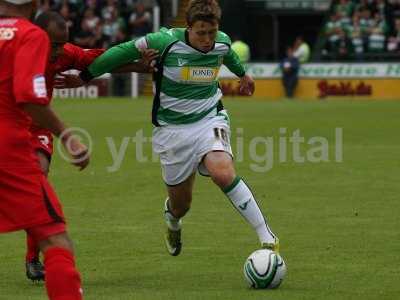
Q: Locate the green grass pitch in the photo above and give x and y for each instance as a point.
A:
(339, 223)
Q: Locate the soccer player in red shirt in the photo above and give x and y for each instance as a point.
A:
(27, 201)
(64, 56)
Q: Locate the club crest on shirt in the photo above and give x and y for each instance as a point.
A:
(182, 62)
(7, 33)
(199, 74)
(39, 86)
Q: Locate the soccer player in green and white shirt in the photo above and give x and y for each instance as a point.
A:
(191, 126)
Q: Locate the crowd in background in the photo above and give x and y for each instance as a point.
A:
(359, 27)
(103, 23)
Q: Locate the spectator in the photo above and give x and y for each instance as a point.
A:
(357, 36)
(75, 8)
(380, 7)
(394, 39)
(344, 20)
(113, 24)
(301, 50)
(109, 9)
(65, 13)
(357, 44)
(373, 25)
(380, 22)
(376, 41)
(344, 47)
(290, 70)
(366, 22)
(241, 49)
(96, 23)
(332, 30)
(345, 8)
(356, 27)
(92, 22)
(140, 21)
(85, 37)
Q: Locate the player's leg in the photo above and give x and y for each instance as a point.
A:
(221, 169)
(34, 268)
(286, 85)
(176, 206)
(176, 148)
(180, 197)
(62, 278)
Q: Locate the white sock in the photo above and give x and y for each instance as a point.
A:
(244, 201)
(173, 223)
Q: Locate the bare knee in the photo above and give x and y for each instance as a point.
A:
(61, 240)
(220, 168)
(223, 178)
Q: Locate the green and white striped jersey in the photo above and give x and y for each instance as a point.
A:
(186, 88)
(186, 85)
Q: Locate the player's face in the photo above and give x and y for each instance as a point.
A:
(202, 35)
(58, 38)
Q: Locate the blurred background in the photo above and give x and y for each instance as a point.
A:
(302, 49)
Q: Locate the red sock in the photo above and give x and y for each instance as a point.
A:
(32, 250)
(63, 281)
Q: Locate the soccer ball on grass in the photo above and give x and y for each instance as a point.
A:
(264, 269)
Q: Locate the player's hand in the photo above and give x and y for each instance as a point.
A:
(78, 151)
(247, 85)
(67, 81)
(148, 59)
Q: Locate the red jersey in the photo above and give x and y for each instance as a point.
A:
(24, 52)
(73, 57)
(26, 198)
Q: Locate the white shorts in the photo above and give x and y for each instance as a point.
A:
(182, 147)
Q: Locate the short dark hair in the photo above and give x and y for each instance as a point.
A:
(45, 18)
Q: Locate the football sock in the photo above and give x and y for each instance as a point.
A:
(173, 223)
(243, 200)
(32, 251)
(63, 281)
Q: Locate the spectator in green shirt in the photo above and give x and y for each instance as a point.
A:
(301, 50)
(345, 7)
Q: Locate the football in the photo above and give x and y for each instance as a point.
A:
(264, 269)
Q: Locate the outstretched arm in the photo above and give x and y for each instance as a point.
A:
(123, 54)
(113, 58)
(145, 65)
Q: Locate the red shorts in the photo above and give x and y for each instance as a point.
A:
(42, 232)
(27, 199)
(42, 140)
